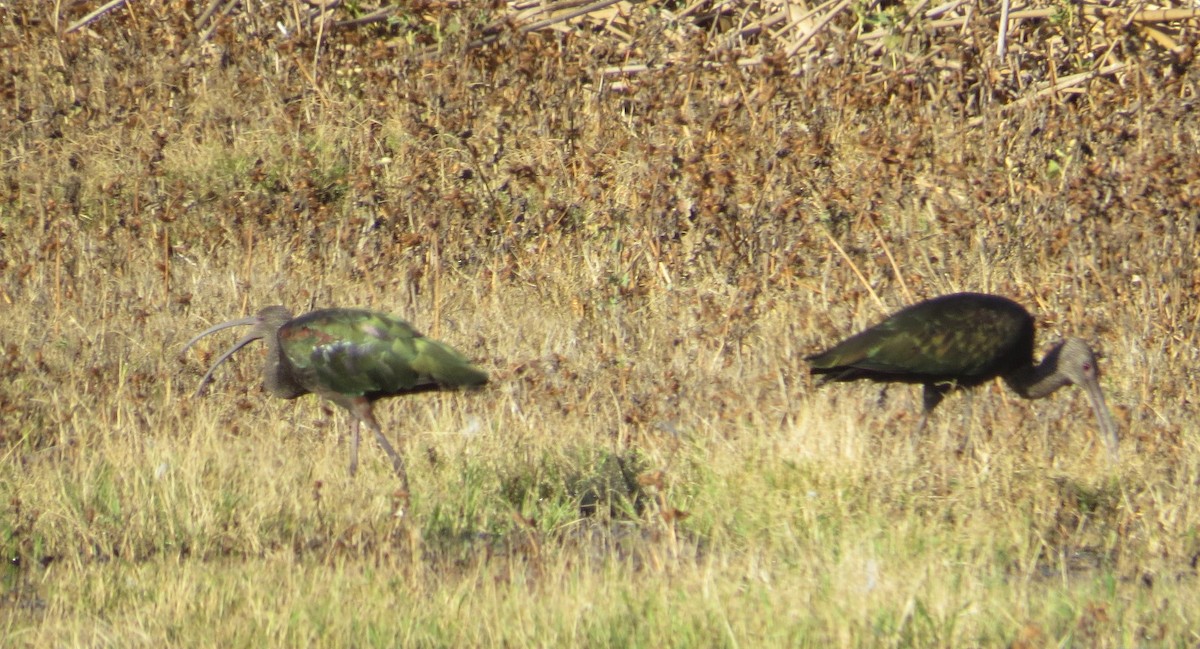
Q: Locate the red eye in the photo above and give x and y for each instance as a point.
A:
(1087, 367)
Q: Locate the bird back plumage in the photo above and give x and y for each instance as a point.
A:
(353, 351)
(964, 337)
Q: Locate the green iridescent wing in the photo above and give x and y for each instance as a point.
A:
(352, 351)
(964, 337)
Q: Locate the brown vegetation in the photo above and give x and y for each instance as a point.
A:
(638, 219)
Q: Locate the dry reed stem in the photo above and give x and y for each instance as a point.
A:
(799, 43)
(95, 15)
(862, 279)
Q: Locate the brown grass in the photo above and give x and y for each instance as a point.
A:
(640, 257)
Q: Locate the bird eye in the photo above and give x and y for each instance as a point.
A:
(1087, 367)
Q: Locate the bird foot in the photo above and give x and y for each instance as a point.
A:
(400, 502)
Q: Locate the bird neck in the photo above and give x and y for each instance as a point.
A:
(277, 373)
(1037, 381)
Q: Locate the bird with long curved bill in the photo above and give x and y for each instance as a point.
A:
(960, 341)
(351, 357)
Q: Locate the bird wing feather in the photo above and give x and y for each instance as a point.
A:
(362, 352)
(930, 342)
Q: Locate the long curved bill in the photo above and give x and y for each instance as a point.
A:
(249, 338)
(1108, 427)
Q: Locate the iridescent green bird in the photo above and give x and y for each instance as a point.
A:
(960, 341)
(351, 357)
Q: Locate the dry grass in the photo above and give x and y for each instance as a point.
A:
(640, 259)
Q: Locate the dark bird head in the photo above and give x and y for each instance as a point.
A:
(266, 323)
(1073, 362)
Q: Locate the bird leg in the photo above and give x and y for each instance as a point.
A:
(361, 408)
(354, 446)
(933, 395)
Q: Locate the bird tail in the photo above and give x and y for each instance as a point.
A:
(834, 374)
(445, 365)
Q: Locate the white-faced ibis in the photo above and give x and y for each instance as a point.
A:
(351, 357)
(962, 340)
